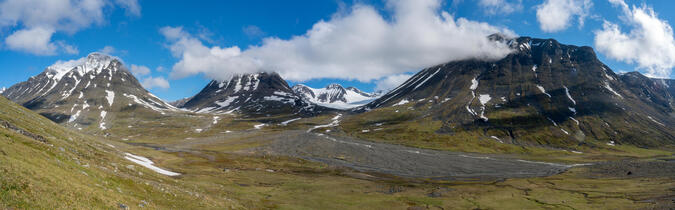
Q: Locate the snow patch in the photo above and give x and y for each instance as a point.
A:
(541, 88)
(102, 123)
(612, 90)
(147, 163)
(474, 84)
(227, 102)
(657, 122)
(335, 122)
(567, 91)
(404, 101)
(285, 123)
(110, 96)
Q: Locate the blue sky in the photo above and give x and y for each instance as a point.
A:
(133, 30)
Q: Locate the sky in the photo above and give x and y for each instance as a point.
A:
(175, 48)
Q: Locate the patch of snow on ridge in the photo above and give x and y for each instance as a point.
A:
(285, 123)
(147, 163)
(427, 79)
(75, 116)
(474, 84)
(259, 126)
(102, 123)
(215, 119)
(567, 91)
(335, 122)
(110, 96)
(612, 90)
(657, 122)
(541, 88)
(227, 101)
(403, 101)
(484, 98)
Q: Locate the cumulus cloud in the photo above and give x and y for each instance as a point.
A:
(359, 44)
(500, 7)
(390, 82)
(155, 82)
(35, 40)
(40, 19)
(649, 43)
(139, 70)
(557, 15)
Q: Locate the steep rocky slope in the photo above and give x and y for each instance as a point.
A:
(544, 92)
(260, 94)
(86, 92)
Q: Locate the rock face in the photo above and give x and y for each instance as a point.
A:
(90, 91)
(543, 92)
(250, 94)
(334, 96)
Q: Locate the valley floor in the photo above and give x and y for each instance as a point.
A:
(196, 163)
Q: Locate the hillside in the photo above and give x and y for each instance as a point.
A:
(543, 93)
(87, 94)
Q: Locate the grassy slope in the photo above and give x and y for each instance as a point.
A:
(78, 171)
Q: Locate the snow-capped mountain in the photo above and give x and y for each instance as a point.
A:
(335, 96)
(86, 92)
(250, 94)
(543, 92)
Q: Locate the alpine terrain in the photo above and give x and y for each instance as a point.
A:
(335, 96)
(88, 92)
(543, 93)
(252, 94)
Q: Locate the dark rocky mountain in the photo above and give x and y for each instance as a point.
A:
(87, 92)
(334, 96)
(543, 92)
(250, 94)
(180, 102)
(669, 84)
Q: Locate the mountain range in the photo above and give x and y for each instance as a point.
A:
(335, 96)
(563, 92)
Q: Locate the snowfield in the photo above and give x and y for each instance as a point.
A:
(147, 163)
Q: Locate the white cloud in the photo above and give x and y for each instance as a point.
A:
(34, 40)
(69, 49)
(253, 31)
(43, 18)
(108, 50)
(155, 82)
(557, 15)
(390, 82)
(649, 44)
(360, 44)
(501, 7)
(131, 6)
(139, 70)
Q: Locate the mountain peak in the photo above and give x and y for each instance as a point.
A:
(94, 62)
(334, 86)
